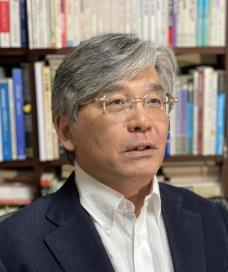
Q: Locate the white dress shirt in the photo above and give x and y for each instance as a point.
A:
(132, 244)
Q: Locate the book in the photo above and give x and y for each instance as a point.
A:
(19, 114)
(4, 23)
(5, 120)
(15, 23)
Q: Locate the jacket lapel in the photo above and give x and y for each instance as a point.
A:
(74, 242)
(184, 231)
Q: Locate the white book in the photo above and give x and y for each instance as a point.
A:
(152, 20)
(128, 16)
(40, 109)
(172, 132)
(214, 23)
(12, 119)
(195, 112)
(213, 115)
(94, 18)
(47, 112)
(121, 16)
(222, 32)
(76, 22)
(30, 23)
(207, 109)
(136, 17)
(99, 21)
(145, 19)
(180, 23)
(58, 24)
(15, 24)
(190, 23)
(164, 21)
(107, 13)
(114, 16)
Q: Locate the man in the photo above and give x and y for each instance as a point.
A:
(111, 103)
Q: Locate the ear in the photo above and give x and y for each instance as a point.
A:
(63, 128)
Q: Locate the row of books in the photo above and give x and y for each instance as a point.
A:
(198, 120)
(64, 23)
(13, 23)
(15, 114)
(44, 75)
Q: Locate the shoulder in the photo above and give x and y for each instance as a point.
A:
(25, 219)
(193, 202)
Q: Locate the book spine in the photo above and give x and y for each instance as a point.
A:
(200, 99)
(195, 111)
(15, 24)
(63, 23)
(175, 21)
(23, 23)
(170, 31)
(206, 22)
(30, 23)
(27, 108)
(47, 112)
(190, 117)
(18, 98)
(4, 23)
(6, 133)
(199, 23)
(40, 109)
(220, 129)
(12, 119)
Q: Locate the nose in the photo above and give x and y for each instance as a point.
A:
(139, 120)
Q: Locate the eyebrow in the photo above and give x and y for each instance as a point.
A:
(121, 87)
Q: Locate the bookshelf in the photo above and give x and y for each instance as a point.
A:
(9, 56)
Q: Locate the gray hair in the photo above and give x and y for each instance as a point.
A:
(98, 64)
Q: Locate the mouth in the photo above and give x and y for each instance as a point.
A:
(140, 150)
(139, 147)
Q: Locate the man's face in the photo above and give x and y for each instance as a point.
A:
(131, 147)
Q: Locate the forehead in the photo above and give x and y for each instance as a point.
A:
(146, 80)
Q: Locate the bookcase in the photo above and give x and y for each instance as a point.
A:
(15, 56)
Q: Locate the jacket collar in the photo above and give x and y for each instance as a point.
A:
(184, 232)
(75, 242)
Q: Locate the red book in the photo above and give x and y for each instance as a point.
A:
(4, 23)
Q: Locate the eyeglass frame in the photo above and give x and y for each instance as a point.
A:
(171, 101)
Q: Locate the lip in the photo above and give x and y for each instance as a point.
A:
(131, 151)
(140, 154)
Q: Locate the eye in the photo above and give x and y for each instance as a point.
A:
(116, 102)
(153, 101)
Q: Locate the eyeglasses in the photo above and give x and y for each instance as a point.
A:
(117, 103)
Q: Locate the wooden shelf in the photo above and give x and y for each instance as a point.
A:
(13, 52)
(200, 50)
(183, 158)
(17, 164)
(54, 163)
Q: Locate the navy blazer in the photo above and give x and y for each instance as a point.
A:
(56, 234)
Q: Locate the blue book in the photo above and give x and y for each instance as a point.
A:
(23, 23)
(167, 147)
(190, 118)
(5, 121)
(220, 122)
(199, 23)
(19, 113)
(206, 22)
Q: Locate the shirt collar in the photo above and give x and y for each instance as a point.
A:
(102, 202)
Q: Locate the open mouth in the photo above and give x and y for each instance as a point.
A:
(139, 147)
